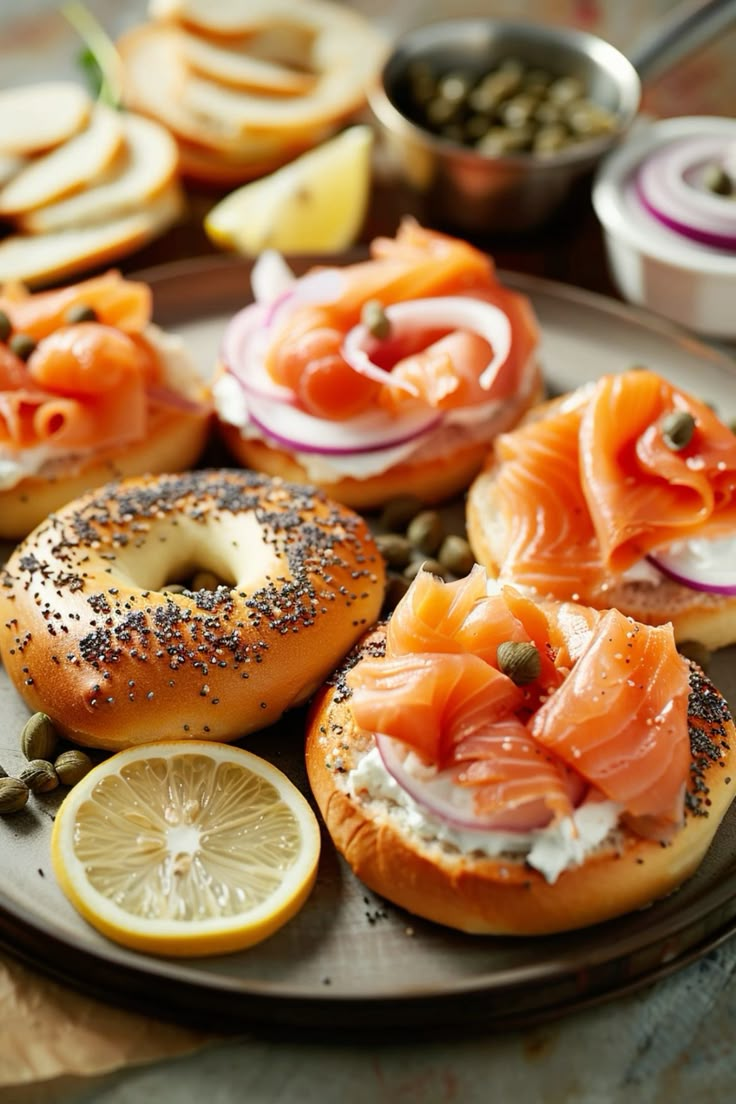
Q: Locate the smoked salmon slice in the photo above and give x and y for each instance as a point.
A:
(304, 352)
(88, 385)
(591, 486)
(606, 716)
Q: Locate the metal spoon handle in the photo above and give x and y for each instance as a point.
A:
(689, 26)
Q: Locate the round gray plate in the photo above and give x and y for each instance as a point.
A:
(349, 961)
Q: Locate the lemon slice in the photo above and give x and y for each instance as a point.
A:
(186, 848)
(315, 204)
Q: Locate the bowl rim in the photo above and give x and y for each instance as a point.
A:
(609, 206)
(589, 149)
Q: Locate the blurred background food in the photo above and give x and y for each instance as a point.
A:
(235, 100)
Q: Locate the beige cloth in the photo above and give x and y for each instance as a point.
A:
(48, 1031)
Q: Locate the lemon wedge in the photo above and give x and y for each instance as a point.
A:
(315, 204)
(186, 848)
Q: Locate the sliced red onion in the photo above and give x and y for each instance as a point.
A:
(324, 285)
(442, 797)
(270, 277)
(372, 431)
(707, 565)
(451, 311)
(242, 353)
(667, 185)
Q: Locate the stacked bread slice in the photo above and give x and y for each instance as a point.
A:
(247, 85)
(80, 183)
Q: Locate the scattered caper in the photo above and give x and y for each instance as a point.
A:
(22, 345)
(38, 738)
(520, 660)
(455, 555)
(205, 580)
(374, 318)
(426, 531)
(717, 180)
(399, 511)
(39, 776)
(697, 652)
(434, 567)
(677, 429)
(80, 312)
(5, 326)
(71, 766)
(396, 588)
(395, 549)
(14, 795)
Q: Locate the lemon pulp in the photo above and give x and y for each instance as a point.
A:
(315, 204)
(186, 849)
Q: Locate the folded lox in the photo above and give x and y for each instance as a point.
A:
(621, 493)
(89, 388)
(500, 765)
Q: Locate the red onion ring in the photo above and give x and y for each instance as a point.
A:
(664, 188)
(453, 311)
(372, 431)
(244, 360)
(428, 795)
(682, 566)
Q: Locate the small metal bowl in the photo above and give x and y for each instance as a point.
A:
(513, 192)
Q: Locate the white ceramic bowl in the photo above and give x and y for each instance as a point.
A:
(652, 265)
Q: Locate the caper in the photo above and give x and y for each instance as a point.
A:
(434, 567)
(5, 326)
(536, 80)
(14, 795)
(454, 132)
(695, 651)
(80, 312)
(588, 120)
(550, 139)
(399, 511)
(421, 82)
(374, 318)
(546, 113)
(22, 345)
(71, 766)
(520, 660)
(454, 87)
(395, 549)
(475, 127)
(38, 738)
(205, 580)
(677, 429)
(39, 776)
(426, 531)
(564, 90)
(517, 111)
(499, 141)
(441, 111)
(715, 179)
(455, 555)
(396, 588)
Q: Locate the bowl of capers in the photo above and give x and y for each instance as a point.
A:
(492, 121)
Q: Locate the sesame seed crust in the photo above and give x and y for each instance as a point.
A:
(90, 634)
